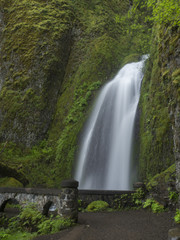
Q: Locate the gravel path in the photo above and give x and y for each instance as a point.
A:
(124, 225)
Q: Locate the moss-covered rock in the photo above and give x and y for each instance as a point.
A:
(10, 182)
(34, 52)
(162, 187)
(158, 103)
(12, 172)
(163, 182)
(97, 206)
(131, 58)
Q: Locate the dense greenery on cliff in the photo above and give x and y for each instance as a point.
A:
(54, 56)
(160, 95)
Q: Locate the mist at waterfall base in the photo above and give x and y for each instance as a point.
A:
(105, 158)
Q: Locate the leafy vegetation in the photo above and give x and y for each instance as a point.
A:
(177, 216)
(158, 98)
(165, 12)
(138, 197)
(164, 178)
(122, 202)
(97, 206)
(134, 201)
(173, 196)
(53, 225)
(153, 205)
(5, 234)
(10, 182)
(30, 222)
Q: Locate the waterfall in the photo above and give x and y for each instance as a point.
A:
(104, 162)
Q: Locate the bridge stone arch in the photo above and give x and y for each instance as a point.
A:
(65, 199)
(6, 200)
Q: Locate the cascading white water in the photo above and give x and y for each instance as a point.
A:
(105, 153)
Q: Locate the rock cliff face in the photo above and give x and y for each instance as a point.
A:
(160, 105)
(176, 129)
(33, 59)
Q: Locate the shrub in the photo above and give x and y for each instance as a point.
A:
(177, 216)
(5, 234)
(31, 220)
(122, 202)
(54, 225)
(30, 217)
(173, 196)
(153, 205)
(137, 197)
(97, 206)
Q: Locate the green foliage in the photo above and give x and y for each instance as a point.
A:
(33, 163)
(31, 51)
(97, 206)
(5, 234)
(29, 218)
(3, 220)
(165, 11)
(177, 216)
(40, 18)
(153, 205)
(122, 202)
(173, 196)
(156, 141)
(11, 205)
(53, 225)
(138, 197)
(80, 207)
(131, 58)
(148, 203)
(130, 201)
(10, 182)
(159, 96)
(66, 147)
(137, 26)
(163, 178)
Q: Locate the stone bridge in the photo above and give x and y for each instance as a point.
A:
(65, 199)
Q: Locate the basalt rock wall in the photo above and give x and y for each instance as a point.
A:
(160, 99)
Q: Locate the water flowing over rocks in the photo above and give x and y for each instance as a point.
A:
(105, 157)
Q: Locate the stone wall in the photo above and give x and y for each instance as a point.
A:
(88, 196)
(64, 199)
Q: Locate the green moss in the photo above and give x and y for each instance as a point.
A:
(10, 182)
(34, 38)
(131, 58)
(176, 77)
(158, 98)
(97, 206)
(67, 144)
(163, 178)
